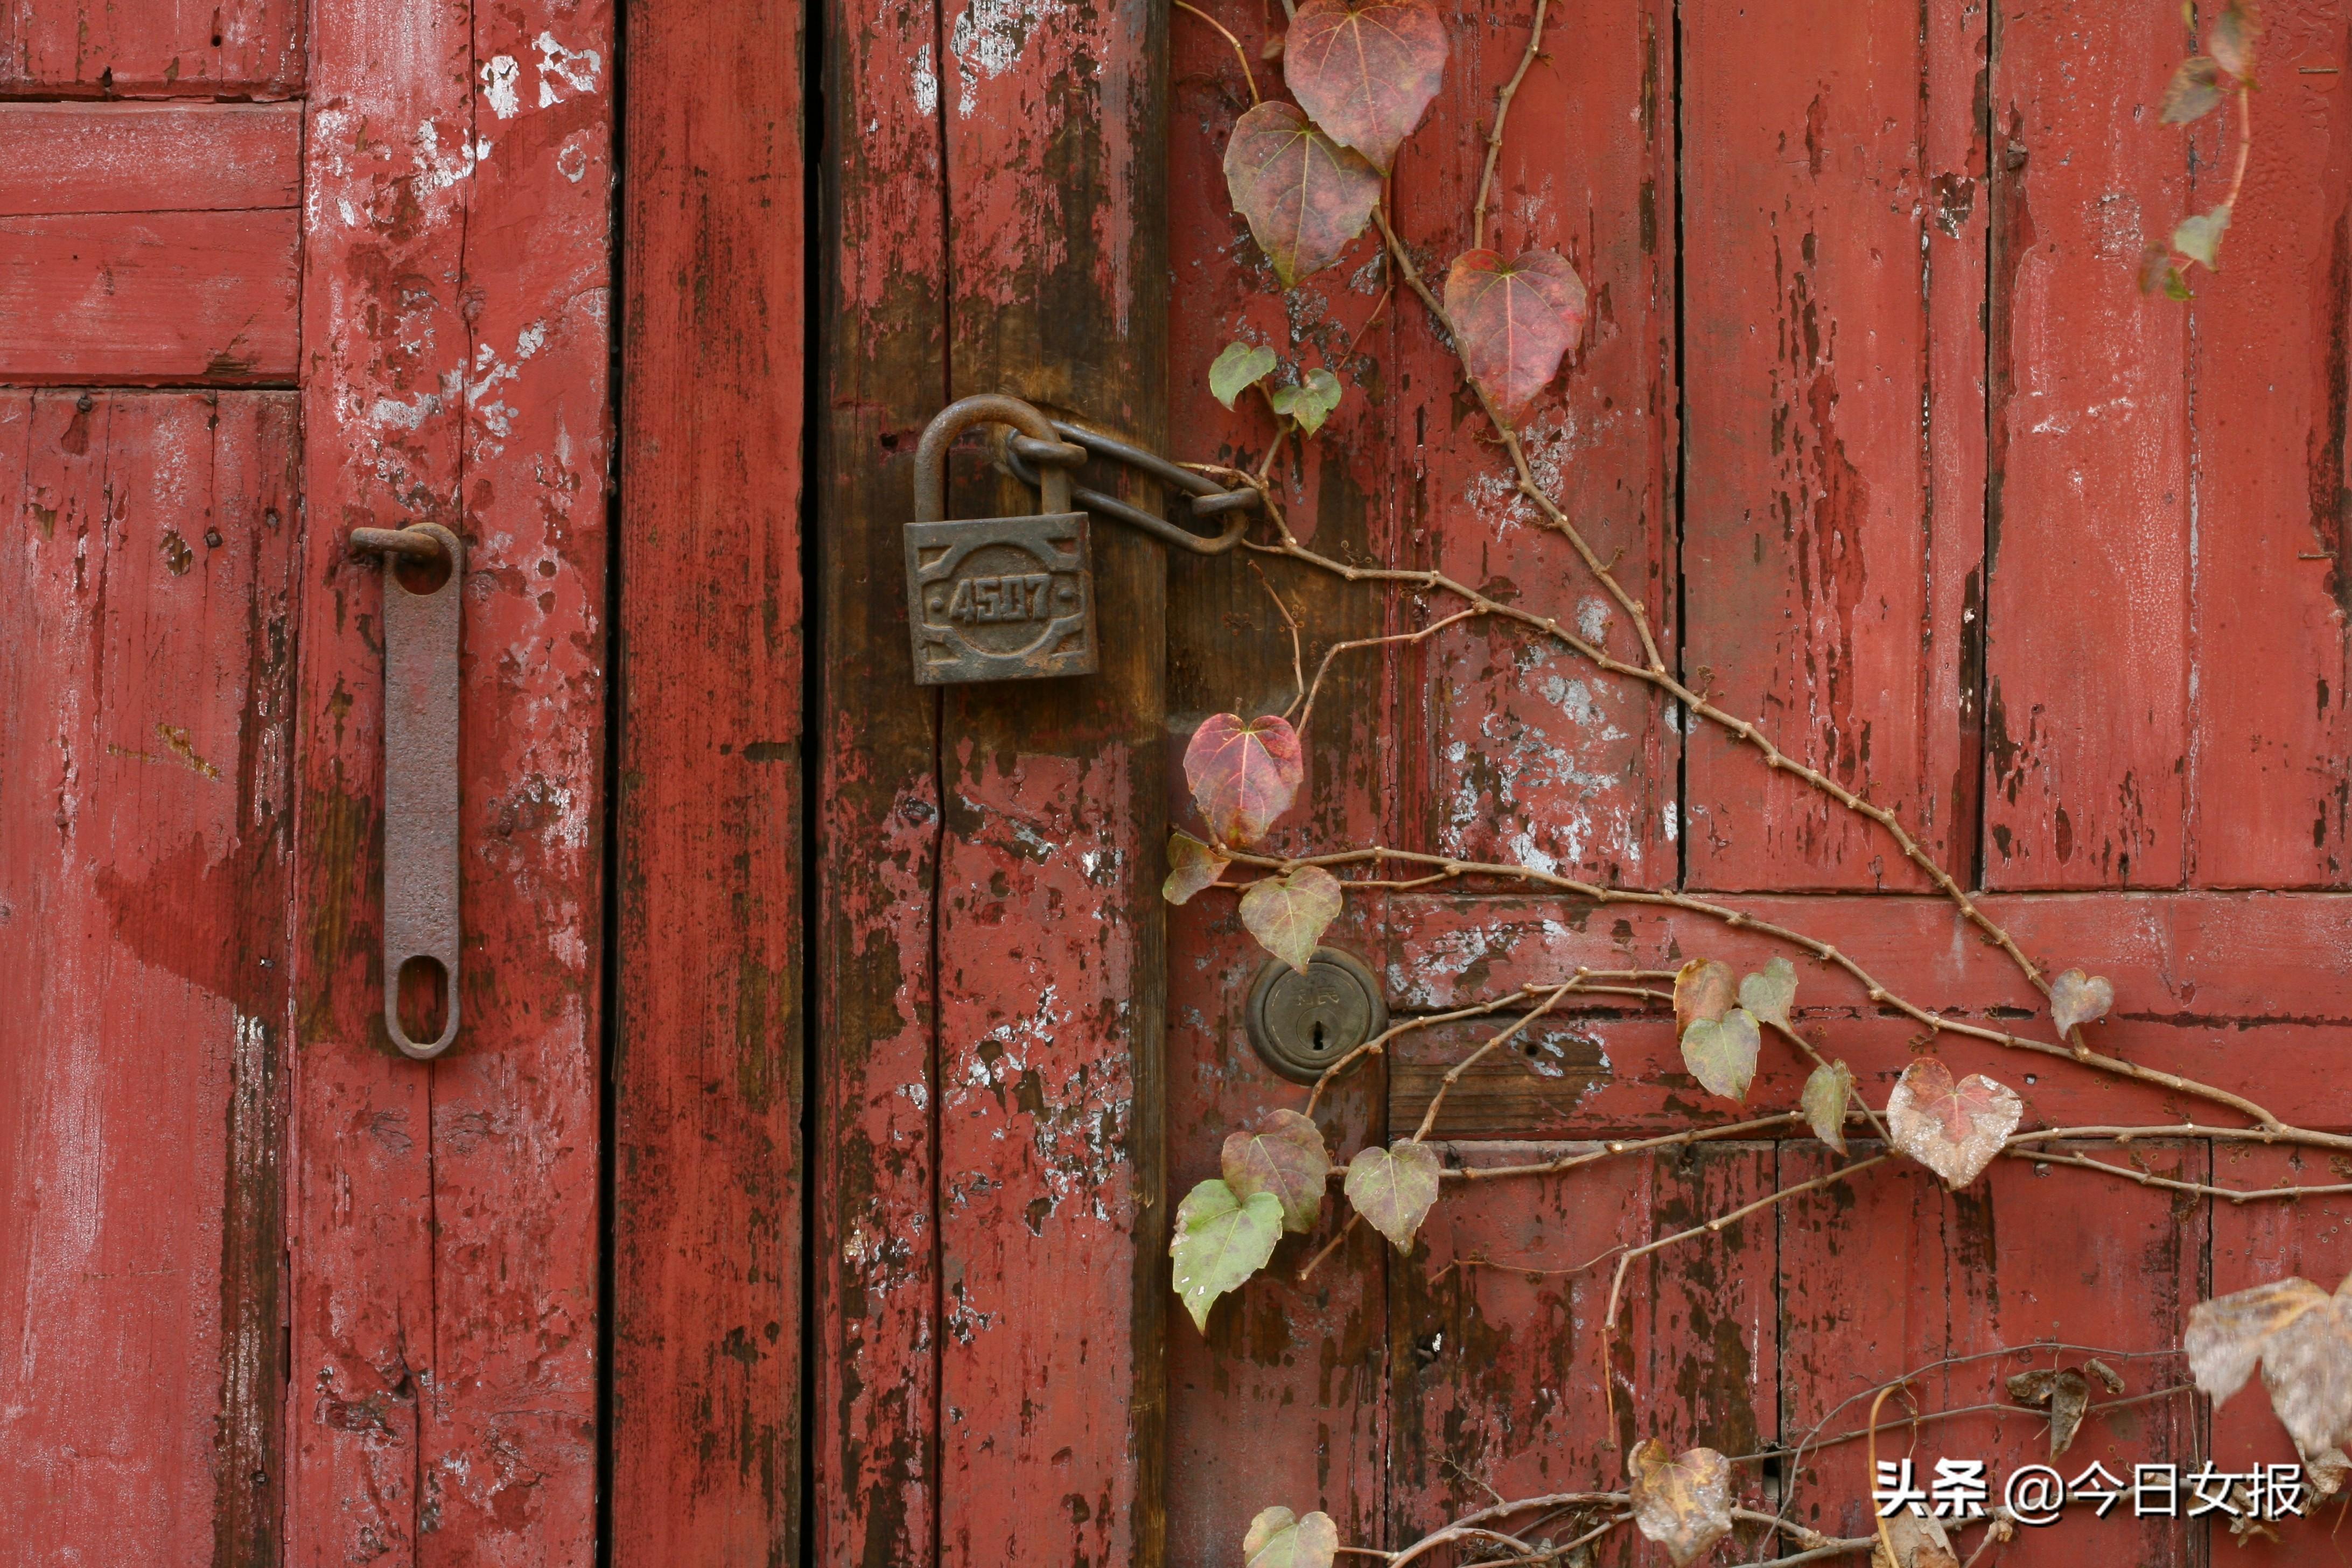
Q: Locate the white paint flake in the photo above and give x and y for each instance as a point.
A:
(927, 83)
(500, 79)
(574, 68)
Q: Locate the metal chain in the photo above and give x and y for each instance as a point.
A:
(1207, 498)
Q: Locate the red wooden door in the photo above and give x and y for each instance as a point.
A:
(269, 272)
(1876, 428)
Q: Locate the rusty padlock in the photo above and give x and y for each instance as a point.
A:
(997, 598)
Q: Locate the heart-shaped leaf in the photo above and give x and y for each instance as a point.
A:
(1395, 1188)
(1221, 1240)
(1287, 913)
(2234, 32)
(1310, 402)
(1513, 321)
(1721, 1052)
(1237, 369)
(1285, 1156)
(1703, 989)
(1279, 1539)
(1192, 865)
(1826, 1092)
(2194, 91)
(1919, 1540)
(1366, 69)
(2063, 1392)
(1953, 1129)
(2079, 999)
(2303, 1337)
(1305, 195)
(1681, 1501)
(1771, 993)
(1244, 773)
(2200, 238)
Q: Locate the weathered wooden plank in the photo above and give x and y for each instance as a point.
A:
(1888, 1274)
(389, 132)
(145, 671)
(874, 1245)
(151, 48)
(2272, 352)
(154, 297)
(1284, 1398)
(1835, 426)
(511, 1448)
(2087, 555)
(1531, 756)
(1052, 1215)
(707, 1226)
(1496, 1341)
(63, 158)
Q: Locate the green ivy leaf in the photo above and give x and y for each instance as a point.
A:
(1395, 1188)
(1770, 993)
(1310, 402)
(2200, 238)
(1287, 913)
(1192, 865)
(1220, 1241)
(1240, 367)
(1823, 1101)
(1721, 1053)
(1285, 1156)
(1280, 1539)
(2176, 286)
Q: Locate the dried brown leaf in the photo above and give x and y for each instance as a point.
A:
(2233, 43)
(2226, 1335)
(1681, 1501)
(2109, 1378)
(2079, 999)
(1366, 69)
(1919, 1541)
(1953, 1129)
(1703, 989)
(2063, 1392)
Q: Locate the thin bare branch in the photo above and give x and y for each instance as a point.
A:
(1239, 53)
(1503, 97)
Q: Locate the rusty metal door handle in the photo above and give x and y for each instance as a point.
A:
(420, 769)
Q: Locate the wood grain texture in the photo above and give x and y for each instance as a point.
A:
(708, 1168)
(873, 1250)
(2272, 746)
(1834, 516)
(444, 1308)
(146, 670)
(60, 158)
(1531, 756)
(1052, 1218)
(151, 48)
(155, 297)
(2087, 658)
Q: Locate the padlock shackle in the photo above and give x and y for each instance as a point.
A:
(981, 408)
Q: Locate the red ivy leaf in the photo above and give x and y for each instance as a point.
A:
(1953, 1129)
(1306, 196)
(1514, 319)
(2194, 91)
(2234, 32)
(1244, 773)
(1366, 69)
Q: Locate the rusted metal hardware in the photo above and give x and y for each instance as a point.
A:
(1208, 499)
(420, 769)
(997, 598)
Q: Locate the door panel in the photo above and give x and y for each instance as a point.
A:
(146, 684)
(151, 48)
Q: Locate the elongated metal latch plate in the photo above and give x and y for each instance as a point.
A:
(420, 772)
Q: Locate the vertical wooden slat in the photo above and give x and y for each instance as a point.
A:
(444, 1298)
(1835, 502)
(145, 666)
(2089, 696)
(2273, 357)
(708, 1245)
(883, 251)
(1531, 757)
(1052, 1217)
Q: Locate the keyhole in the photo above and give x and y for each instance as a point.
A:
(1320, 1043)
